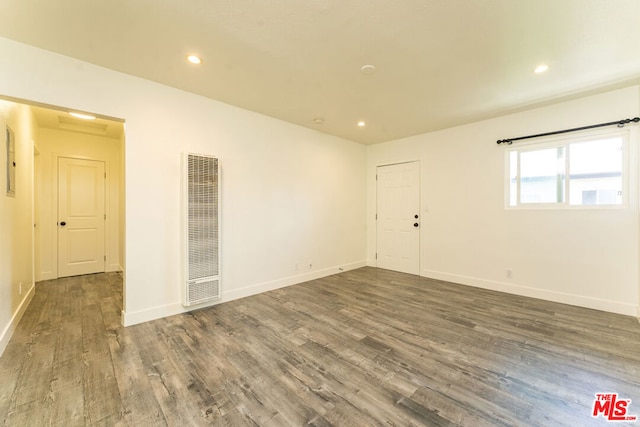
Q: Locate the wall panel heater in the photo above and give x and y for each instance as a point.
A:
(201, 202)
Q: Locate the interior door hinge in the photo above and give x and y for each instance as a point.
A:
(376, 255)
(105, 257)
(376, 217)
(105, 217)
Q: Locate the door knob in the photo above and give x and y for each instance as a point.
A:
(62, 224)
(415, 224)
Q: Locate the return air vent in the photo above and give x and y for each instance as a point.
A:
(202, 241)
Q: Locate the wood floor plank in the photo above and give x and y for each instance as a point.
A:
(365, 347)
(36, 374)
(102, 403)
(67, 405)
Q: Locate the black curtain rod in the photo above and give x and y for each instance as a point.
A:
(619, 123)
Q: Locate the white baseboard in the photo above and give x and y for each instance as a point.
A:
(561, 297)
(287, 281)
(113, 267)
(46, 275)
(133, 318)
(153, 313)
(8, 331)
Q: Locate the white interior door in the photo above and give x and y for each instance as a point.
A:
(398, 217)
(81, 217)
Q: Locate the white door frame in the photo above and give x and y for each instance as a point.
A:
(420, 213)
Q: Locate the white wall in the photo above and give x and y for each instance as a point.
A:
(59, 143)
(16, 220)
(290, 195)
(581, 257)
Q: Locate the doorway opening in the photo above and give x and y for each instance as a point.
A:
(78, 194)
(63, 143)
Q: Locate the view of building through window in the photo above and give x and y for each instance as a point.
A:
(585, 172)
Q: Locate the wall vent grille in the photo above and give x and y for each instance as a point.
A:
(202, 278)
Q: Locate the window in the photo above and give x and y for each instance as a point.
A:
(583, 171)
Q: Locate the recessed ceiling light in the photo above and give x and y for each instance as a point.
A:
(82, 116)
(194, 59)
(541, 68)
(361, 123)
(368, 69)
(318, 120)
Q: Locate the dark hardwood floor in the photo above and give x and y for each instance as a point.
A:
(366, 347)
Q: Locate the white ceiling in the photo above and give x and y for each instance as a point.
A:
(61, 120)
(439, 63)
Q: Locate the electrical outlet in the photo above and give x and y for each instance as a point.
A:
(297, 267)
(20, 288)
(509, 273)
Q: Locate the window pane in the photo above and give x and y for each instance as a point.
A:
(513, 178)
(542, 176)
(596, 172)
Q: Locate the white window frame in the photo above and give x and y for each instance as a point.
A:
(566, 141)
